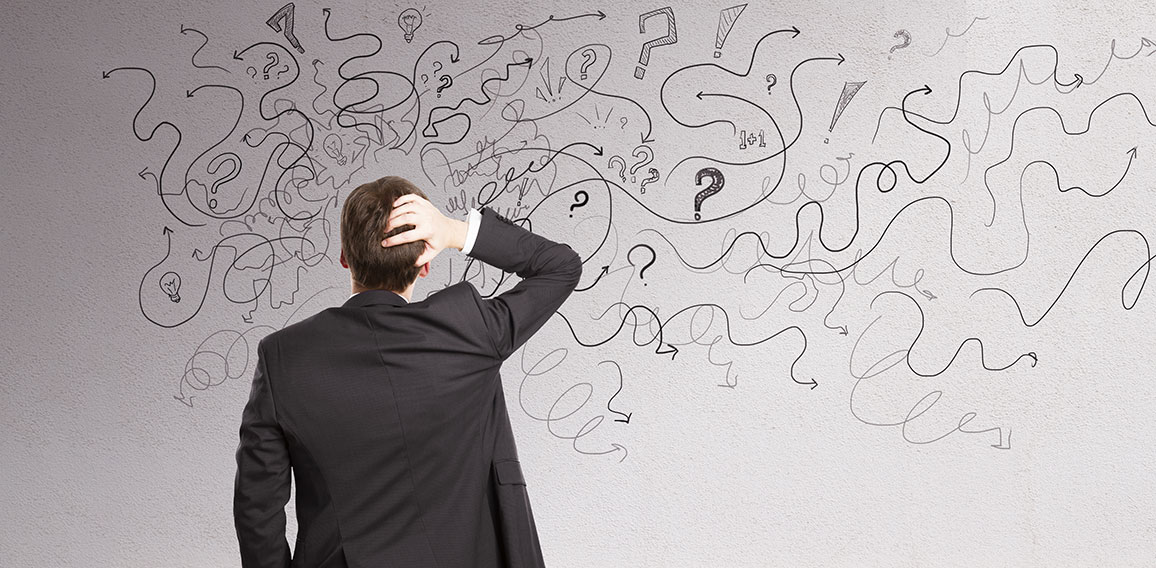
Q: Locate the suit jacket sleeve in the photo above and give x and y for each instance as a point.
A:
(549, 270)
(261, 486)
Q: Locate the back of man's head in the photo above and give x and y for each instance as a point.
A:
(363, 219)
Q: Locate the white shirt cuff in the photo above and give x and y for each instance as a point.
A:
(475, 219)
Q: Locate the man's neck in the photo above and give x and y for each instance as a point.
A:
(404, 294)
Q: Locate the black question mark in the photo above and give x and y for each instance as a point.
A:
(716, 185)
(585, 198)
(645, 266)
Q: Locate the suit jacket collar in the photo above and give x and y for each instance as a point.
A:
(373, 298)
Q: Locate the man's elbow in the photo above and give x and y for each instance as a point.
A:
(574, 268)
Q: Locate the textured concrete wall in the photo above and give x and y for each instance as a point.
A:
(905, 328)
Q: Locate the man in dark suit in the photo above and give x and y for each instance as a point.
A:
(390, 413)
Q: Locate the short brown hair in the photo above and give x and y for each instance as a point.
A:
(363, 220)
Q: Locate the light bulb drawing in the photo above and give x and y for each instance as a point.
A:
(409, 21)
(171, 285)
(332, 147)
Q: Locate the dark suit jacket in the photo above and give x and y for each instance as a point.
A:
(393, 419)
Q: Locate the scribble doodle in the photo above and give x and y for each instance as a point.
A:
(542, 124)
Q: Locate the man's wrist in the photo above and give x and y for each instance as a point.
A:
(460, 229)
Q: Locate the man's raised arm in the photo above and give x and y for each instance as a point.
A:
(549, 270)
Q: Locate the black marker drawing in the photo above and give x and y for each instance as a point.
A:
(409, 20)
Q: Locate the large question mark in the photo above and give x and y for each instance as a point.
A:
(588, 58)
(447, 82)
(272, 57)
(653, 177)
(645, 266)
(670, 37)
(585, 198)
(646, 156)
(716, 185)
(622, 166)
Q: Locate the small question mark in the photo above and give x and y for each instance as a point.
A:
(653, 177)
(437, 65)
(772, 80)
(588, 58)
(447, 82)
(645, 266)
(716, 185)
(646, 156)
(272, 57)
(622, 166)
(580, 199)
(280, 71)
(623, 127)
(668, 39)
(254, 70)
(906, 41)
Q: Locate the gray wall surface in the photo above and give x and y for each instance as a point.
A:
(866, 283)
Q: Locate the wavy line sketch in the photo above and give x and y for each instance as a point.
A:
(859, 263)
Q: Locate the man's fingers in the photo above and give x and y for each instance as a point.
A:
(402, 218)
(418, 233)
(405, 199)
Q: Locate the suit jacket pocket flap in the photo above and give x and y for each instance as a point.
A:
(509, 472)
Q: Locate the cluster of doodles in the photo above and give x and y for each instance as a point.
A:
(529, 126)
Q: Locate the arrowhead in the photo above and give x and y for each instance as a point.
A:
(143, 172)
(601, 15)
(454, 58)
(926, 90)
(598, 152)
(606, 269)
(195, 252)
(104, 75)
(699, 96)
(326, 10)
(183, 30)
(167, 230)
(1133, 152)
(841, 60)
(814, 384)
(237, 55)
(796, 34)
(186, 401)
(188, 94)
(1146, 42)
(644, 139)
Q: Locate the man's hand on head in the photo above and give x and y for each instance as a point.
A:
(429, 225)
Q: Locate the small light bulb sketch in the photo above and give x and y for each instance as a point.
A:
(409, 21)
(332, 145)
(171, 285)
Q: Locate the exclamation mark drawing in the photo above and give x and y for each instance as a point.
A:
(726, 20)
(850, 88)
